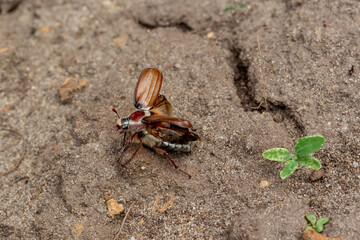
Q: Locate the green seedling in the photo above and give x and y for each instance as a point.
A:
(318, 226)
(303, 147)
(235, 7)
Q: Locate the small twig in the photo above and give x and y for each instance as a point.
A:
(258, 107)
(220, 37)
(21, 157)
(123, 222)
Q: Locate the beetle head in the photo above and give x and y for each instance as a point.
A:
(123, 123)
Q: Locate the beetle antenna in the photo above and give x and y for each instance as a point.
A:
(114, 110)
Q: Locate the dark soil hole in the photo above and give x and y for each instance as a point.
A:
(184, 27)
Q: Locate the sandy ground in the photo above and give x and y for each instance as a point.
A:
(248, 79)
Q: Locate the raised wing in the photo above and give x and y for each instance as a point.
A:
(167, 121)
(162, 107)
(148, 88)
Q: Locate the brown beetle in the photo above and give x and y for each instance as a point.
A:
(153, 124)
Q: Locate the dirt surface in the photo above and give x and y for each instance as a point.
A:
(248, 79)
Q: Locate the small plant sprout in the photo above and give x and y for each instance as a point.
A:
(318, 226)
(303, 147)
(235, 7)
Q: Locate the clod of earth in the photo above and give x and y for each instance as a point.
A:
(313, 235)
(114, 208)
(70, 85)
(121, 40)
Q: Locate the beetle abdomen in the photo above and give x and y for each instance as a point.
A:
(185, 147)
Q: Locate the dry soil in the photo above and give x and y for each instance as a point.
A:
(248, 79)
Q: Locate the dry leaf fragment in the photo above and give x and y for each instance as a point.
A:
(155, 210)
(107, 197)
(78, 229)
(45, 29)
(5, 109)
(2, 50)
(167, 205)
(264, 184)
(70, 85)
(155, 206)
(313, 235)
(114, 208)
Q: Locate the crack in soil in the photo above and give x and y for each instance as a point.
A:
(60, 193)
(9, 6)
(246, 90)
(183, 26)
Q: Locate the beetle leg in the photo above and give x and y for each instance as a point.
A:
(127, 145)
(137, 149)
(163, 152)
(123, 142)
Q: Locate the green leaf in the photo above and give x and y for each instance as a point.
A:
(320, 224)
(290, 167)
(309, 161)
(311, 218)
(235, 7)
(309, 228)
(307, 145)
(277, 154)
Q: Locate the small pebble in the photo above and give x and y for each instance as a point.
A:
(317, 175)
(356, 164)
(143, 168)
(210, 34)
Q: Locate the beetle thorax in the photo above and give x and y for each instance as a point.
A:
(133, 121)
